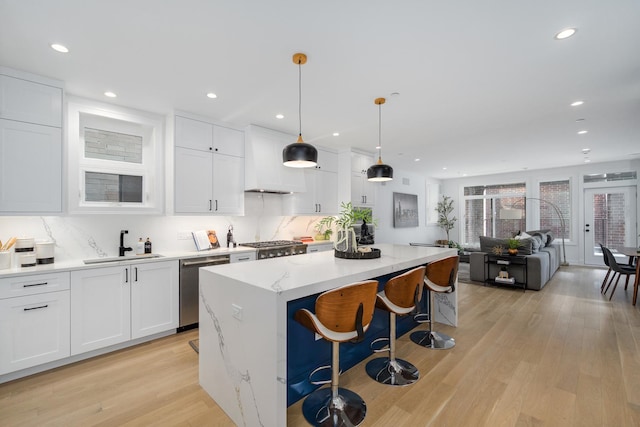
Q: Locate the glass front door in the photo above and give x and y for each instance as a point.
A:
(609, 219)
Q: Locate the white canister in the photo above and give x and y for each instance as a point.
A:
(24, 244)
(27, 259)
(44, 252)
(5, 260)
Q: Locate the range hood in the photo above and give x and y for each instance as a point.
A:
(263, 168)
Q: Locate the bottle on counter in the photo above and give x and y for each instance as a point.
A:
(140, 247)
(147, 246)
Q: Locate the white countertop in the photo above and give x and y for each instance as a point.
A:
(78, 264)
(126, 260)
(297, 276)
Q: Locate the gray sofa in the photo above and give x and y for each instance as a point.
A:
(543, 259)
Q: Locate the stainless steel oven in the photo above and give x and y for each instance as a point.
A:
(189, 287)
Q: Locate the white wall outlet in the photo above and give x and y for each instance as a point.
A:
(236, 311)
(184, 235)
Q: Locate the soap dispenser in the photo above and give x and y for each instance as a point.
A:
(140, 247)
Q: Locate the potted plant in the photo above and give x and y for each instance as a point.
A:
(348, 216)
(324, 228)
(445, 221)
(513, 244)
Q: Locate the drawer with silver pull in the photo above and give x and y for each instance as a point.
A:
(33, 284)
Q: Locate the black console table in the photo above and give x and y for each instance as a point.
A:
(506, 261)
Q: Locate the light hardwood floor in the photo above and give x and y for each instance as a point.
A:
(564, 356)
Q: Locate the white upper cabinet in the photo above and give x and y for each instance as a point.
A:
(209, 168)
(363, 192)
(30, 144)
(194, 134)
(321, 195)
(27, 101)
(264, 170)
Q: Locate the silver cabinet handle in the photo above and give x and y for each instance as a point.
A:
(136, 268)
(209, 204)
(126, 275)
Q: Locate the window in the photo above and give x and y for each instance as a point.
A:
(555, 195)
(115, 159)
(482, 207)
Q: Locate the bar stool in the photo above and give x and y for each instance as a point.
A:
(440, 277)
(398, 298)
(342, 314)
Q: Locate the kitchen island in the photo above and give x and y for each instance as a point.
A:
(244, 322)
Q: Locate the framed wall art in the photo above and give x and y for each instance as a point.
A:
(405, 210)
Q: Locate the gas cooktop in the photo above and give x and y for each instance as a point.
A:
(271, 244)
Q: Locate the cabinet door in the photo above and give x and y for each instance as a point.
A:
(193, 181)
(228, 185)
(30, 168)
(193, 134)
(368, 191)
(228, 141)
(100, 308)
(30, 102)
(306, 202)
(154, 298)
(34, 329)
(327, 192)
(327, 161)
(242, 257)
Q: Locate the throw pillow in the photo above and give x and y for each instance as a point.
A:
(526, 246)
(488, 243)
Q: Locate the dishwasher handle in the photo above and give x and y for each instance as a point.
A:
(222, 260)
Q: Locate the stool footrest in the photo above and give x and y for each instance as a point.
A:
(318, 369)
(377, 341)
(421, 318)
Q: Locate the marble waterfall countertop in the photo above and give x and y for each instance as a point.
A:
(298, 276)
(243, 322)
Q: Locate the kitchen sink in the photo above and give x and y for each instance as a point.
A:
(120, 258)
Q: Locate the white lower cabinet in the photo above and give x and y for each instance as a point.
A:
(154, 298)
(34, 320)
(111, 305)
(320, 247)
(242, 257)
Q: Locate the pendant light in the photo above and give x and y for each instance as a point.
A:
(380, 172)
(299, 154)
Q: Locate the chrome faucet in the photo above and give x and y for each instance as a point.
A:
(122, 249)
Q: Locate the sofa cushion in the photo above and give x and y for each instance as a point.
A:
(546, 235)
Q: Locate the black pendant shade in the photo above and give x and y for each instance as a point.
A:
(299, 155)
(380, 172)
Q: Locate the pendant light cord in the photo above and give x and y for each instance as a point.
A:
(380, 132)
(300, 98)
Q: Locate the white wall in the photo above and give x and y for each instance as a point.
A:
(410, 184)
(575, 249)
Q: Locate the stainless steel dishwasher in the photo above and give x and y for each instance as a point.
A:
(189, 287)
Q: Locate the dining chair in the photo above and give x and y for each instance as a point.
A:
(616, 268)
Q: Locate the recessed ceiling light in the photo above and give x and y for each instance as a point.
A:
(566, 33)
(336, 134)
(279, 116)
(59, 48)
(444, 168)
(576, 103)
(582, 132)
(464, 174)
(587, 161)
(378, 147)
(110, 94)
(586, 150)
(212, 95)
(416, 160)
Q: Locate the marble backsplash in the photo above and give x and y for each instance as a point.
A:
(92, 236)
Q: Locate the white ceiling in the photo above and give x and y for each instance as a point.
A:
(483, 87)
